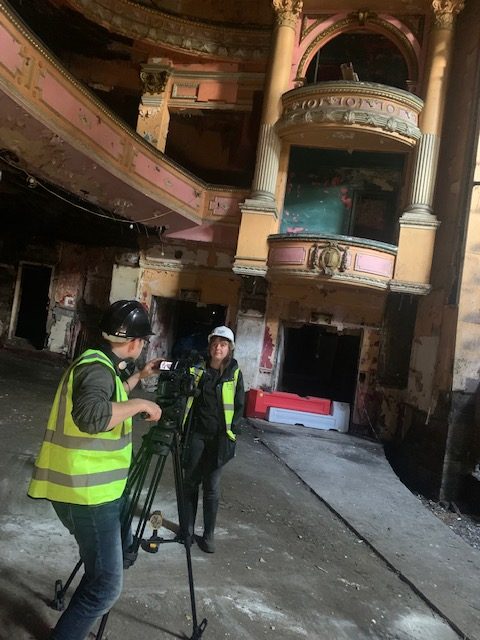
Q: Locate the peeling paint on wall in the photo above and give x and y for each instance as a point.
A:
(422, 371)
(267, 350)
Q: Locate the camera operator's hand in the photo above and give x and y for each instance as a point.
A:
(151, 368)
(123, 410)
(151, 412)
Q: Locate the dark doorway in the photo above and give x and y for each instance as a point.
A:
(34, 302)
(320, 362)
(182, 326)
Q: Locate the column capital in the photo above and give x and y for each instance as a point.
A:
(287, 12)
(445, 12)
(155, 75)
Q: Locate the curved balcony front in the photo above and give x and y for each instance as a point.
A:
(327, 258)
(350, 115)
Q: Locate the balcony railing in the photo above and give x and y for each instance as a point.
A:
(350, 115)
(341, 259)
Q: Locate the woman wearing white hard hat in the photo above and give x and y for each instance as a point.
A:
(213, 416)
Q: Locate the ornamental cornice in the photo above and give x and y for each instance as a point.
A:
(445, 12)
(287, 12)
(415, 288)
(243, 270)
(165, 30)
(341, 278)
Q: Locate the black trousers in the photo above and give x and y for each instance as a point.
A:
(202, 468)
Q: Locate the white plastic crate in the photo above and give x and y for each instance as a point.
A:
(338, 421)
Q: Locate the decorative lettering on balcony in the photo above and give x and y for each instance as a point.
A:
(370, 106)
(353, 102)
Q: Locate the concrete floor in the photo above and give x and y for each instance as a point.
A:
(287, 567)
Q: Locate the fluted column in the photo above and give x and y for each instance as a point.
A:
(418, 224)
(259, 211)
(437, 72)
(278, 75)
(153, 115)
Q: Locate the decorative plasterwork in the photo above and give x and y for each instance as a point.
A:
(329, 259)
(361, 105)
(287, 12)
(446, 11)
(169, 31)
(249, 271)
(63, 134)
(414, 288)
(352, 22)
(154, 80)
(348, 260)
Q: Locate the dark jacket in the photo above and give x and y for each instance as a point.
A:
(226, 446)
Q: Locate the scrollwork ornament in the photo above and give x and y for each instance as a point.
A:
(328, 259)
(287, 12)
(446, 11)
(154, 81)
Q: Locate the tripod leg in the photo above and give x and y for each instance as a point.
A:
(103, 624)
(137, 477)
(177, 470)
(58, 602)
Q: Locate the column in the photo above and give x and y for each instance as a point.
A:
(418, 224)
(259, 212)
(278, 75)
(153, 114)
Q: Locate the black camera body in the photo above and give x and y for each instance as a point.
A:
(176, 383)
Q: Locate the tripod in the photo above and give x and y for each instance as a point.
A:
(161, 439)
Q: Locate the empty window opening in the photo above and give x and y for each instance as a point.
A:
(374, 58)
(182, 326)
(33, 304)
(320, 362)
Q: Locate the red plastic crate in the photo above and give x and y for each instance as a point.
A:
(259, 401)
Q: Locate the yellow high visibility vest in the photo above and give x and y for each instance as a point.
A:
(78, 467)
(228, 399)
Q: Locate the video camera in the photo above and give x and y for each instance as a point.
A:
(175, 385)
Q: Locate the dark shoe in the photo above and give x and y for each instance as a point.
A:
(190, 540)
(206, 544)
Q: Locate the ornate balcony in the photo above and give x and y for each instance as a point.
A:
(350, 115)
(341, 259)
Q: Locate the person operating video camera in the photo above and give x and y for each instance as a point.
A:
(84, 460)
(212, 417)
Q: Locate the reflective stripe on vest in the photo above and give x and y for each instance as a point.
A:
(228, 398)
(78, 467)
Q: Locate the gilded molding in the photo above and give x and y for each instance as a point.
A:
(287, 12)
(306, 30)
(152, 25)
(445, 12)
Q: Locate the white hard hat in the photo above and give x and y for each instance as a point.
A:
(223, 332)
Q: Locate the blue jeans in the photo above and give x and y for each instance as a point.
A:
(97, 530)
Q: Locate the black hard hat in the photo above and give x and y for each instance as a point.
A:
(126, 319)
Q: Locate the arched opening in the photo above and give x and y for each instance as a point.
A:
(374, 57)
